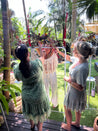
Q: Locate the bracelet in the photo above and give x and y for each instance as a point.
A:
(71, 82)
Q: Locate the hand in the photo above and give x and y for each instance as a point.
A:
(57, 50)
(68, 58)
(68, 79)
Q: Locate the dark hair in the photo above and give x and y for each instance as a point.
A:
(21, 52)
(85, 49)
(12, 64)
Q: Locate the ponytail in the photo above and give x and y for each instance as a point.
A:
(22, 53)
(24, 67)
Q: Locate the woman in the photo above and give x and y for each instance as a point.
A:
(49, 71)
(75, 99)
(35, 103)
(50, 78)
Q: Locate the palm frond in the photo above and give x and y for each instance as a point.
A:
(4, 101)
(37, 13)
(90, 6)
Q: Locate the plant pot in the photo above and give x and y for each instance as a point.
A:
(95, 126)
(1, 120)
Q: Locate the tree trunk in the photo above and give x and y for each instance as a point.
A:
(73, 26)
(4, 6)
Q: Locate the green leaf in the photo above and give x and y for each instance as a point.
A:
(14, 87)
(4, 68)
(4, 101)
(13, 95)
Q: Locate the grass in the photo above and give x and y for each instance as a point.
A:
(88, 116)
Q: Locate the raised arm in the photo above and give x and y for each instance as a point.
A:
(63, 55)
(41, 54)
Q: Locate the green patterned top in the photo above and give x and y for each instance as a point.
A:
(34, 98)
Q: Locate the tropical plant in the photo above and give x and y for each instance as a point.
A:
(9, 88)
(6, 86)
(88, 6)
(57, 14)
(54, 20)
(36, 21)
(19, 28)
